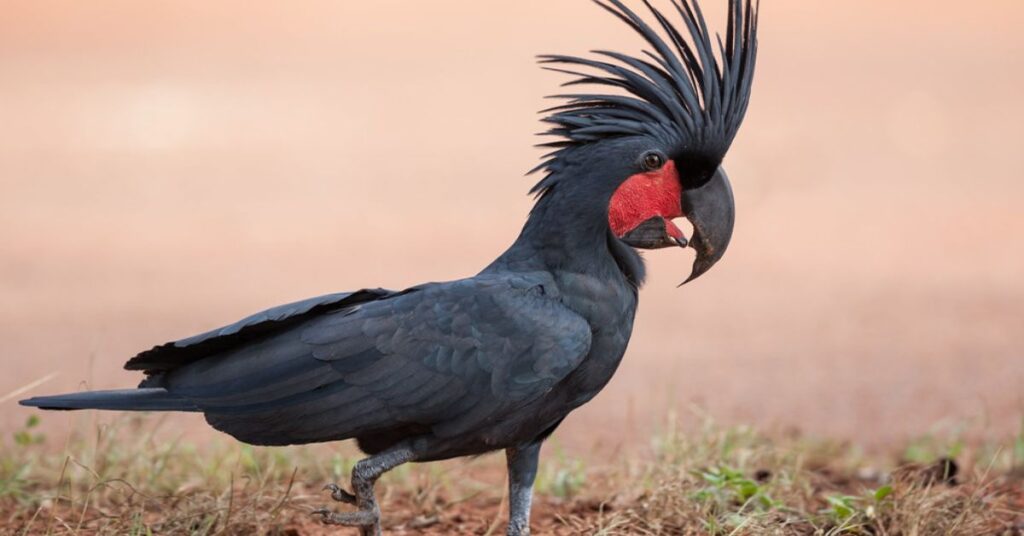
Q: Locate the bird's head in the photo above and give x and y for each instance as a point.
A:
(651, 149)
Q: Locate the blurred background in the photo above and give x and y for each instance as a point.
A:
(168, 167)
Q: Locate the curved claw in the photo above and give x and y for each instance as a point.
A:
(340, 495)
(322, 511)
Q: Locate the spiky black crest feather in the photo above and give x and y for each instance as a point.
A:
(679, 92)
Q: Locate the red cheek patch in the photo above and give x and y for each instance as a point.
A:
(644, 196)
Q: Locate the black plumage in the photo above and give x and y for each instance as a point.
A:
(678, 93)
(442, 358)
(495, 361)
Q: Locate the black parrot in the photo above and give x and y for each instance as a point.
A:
(495, 361)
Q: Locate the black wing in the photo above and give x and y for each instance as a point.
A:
(440, 359)
(175, 354)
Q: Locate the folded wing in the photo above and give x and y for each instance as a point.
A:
(440, 359)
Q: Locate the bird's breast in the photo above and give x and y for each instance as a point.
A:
(609, 308)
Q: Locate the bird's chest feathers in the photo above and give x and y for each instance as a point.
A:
(610, 309)
(600, 301)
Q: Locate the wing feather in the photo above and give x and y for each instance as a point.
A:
(445, 358)
(176, 354)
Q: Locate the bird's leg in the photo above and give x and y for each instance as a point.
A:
(522, 471)
(364, 475)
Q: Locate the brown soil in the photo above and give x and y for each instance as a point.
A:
(404, 514)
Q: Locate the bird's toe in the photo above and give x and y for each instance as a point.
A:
(340, 495)
(359, 518)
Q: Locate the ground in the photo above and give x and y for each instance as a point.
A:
(125, 479)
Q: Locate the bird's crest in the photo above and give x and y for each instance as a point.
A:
(680, 91)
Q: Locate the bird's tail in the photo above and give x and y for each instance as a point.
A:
(147, 399)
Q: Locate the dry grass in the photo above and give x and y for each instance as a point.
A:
(125, 479)
(734, 481)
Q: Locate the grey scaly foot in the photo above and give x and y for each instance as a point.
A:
(340, 495)
(366, 519)
(364, 475)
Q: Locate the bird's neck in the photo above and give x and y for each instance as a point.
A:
(565, 234)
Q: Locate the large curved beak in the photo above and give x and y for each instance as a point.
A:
(712, 211)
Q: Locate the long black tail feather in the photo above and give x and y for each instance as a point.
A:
(150, 399)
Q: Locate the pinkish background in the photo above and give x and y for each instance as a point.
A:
(167, 167)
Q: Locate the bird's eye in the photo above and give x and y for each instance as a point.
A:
(653, 161)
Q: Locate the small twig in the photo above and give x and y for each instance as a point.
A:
(85, 510)
(274, 512)
(231, 503)
(28, 387)
(56, 501)
(107, 484)
(974, 493)
(740, 526)
(31, 521)
(501, 510)
(464, 498)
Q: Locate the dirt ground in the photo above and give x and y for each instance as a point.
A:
(915, 503)
(165, 169)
